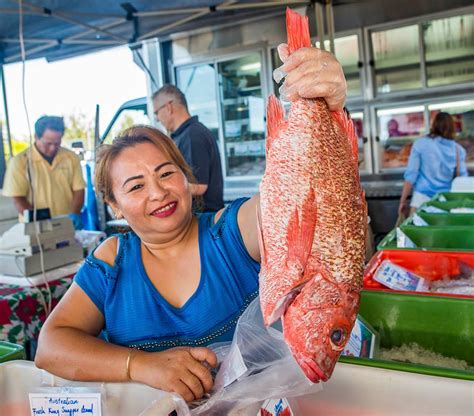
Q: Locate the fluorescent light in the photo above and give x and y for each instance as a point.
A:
(248, 67)
(404, 110)
(439, 106)
(360, 114)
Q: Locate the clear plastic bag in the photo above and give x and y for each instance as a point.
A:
(257, 366)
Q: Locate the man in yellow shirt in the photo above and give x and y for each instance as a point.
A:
(55, 173)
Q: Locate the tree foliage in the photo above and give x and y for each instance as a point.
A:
(79, 127)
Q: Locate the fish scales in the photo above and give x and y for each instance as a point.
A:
(312, 220)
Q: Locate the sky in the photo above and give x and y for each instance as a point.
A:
(75, 85)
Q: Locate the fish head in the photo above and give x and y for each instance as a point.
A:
(317, 325)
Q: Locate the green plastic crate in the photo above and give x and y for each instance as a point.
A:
(454, 196)
(448, 205)
(9, 351)
(445, 238)
(442, 219)
(440, 324)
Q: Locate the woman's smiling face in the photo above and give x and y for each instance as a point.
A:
(151, 192)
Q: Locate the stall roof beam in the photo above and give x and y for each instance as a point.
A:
(262, 4)
(69, 40)
(64, 17)
(112, 23)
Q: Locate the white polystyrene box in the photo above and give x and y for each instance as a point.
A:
(352, 390)
(369, 391)
(18, 378)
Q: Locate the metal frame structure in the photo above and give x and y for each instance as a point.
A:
(130, 14)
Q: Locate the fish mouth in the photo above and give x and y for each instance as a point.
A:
(312, 371)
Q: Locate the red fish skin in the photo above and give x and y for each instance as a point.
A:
(284, 187)
(312, 169)
(324, 161)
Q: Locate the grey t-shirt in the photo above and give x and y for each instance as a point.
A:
(199, 148)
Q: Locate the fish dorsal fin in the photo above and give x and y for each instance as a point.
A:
(297, 29)
(348, 127)
(275, 120)
(300, 234)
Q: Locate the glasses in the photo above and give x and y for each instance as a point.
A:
(162, 106)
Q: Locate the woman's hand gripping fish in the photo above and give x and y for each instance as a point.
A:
(312, 220)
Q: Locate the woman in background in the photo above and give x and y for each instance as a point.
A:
(434, 162)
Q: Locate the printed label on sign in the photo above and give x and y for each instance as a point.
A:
(73, 404)
(399, 278)
(275, 407)
(362, 340)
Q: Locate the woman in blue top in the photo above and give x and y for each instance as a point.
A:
(177, 282)
(434, 162)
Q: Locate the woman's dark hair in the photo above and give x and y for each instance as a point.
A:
(443, 125)
(107, 153)
(49, 122)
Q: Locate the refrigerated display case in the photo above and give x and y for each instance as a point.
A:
(397, 129)
(243, 115)
(348, 54)
(227, 97)
(198, 84)
(449, 50)
(358, 120)
(396, 57)
(463, 114)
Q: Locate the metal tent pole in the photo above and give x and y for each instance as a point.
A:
(318, 10)
(330, 25)
(5, 106)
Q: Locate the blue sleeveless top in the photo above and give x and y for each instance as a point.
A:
(135, 313)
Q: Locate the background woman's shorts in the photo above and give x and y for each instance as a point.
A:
(418, 199)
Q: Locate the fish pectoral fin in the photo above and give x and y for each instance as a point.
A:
(281, 305)
(300, 234)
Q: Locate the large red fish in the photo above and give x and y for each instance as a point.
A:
(312, 220)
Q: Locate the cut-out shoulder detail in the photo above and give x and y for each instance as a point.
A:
(217, 215)
(107, 251)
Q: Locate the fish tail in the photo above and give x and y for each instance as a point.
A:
(297, 29)
(275, 120)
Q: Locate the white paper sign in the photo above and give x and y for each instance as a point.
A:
(74, 404)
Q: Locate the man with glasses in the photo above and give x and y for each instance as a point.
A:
(195, 141)
(54, 174)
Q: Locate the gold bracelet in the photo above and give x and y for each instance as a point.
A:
(127, 365)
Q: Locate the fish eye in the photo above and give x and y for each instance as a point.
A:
(337, 337)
